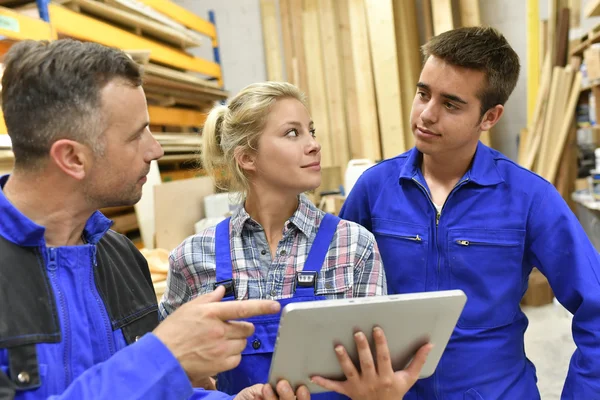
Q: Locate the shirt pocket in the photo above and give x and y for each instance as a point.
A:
(487, 265)
(336, 282)
(403, 248)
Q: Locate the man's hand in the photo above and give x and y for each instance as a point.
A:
(371, 383)
(265, 392)
(203, 337)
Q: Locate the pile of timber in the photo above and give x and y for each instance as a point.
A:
(547, 146)
(358, 61)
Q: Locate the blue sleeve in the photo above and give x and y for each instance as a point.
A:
(560, 248)
(356, 206)
(144, 370)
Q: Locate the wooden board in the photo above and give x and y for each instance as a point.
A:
(178, 38)
(442, 16)
(137, 7)
(558, 78)
(363, 74)
(334, 84)
(144, 209)
(592, 8)
(270, 29)
(349, 82)
(409, 60)
(469, 13)
(533, 56)
(170, 73)
(575, 7)
(562, 38)
(200, 91)
(382, 37)
(299, 61)
(287, 39)
(563, 133)
(552, 21)
(174, 224)
(427, 19)
(318, 101)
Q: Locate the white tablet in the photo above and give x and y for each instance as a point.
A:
(309, 331)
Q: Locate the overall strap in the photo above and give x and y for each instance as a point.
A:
(224, 265)
(306, 281)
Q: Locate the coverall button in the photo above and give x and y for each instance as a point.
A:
(23, 377)
(256, 344)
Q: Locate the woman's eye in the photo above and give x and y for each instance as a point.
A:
(313, 132)
(292, 133)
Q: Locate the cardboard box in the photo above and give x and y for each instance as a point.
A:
(539, 292)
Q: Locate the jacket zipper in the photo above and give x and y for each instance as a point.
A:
(467, 243)
(438, 215)
(416, 238)
(52, 266)
(101, 305)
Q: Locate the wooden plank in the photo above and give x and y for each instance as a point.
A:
(170, 83)
(565, 128)
(427, 19)
(334, 84)
(270, 31)
(592, 8)
(557, 82)
(363, 74)
(469, 13)
(382, 37)
(174, 224)
(319, 102)
(409, 60)
(165, 33)
(175, 116)
(299, 61)
(144, 209)
(287, 39)
(562, 38)
(552, 21)
(567, 171)
(349, 86)
(187, 77)
(533, 56)
(575, 7)
(442, 16)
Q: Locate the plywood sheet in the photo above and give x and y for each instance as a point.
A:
(175, 223)
(268, 11)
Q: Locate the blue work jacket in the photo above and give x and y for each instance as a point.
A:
(498, 222)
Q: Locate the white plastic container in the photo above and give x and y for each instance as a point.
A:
(354, 171)
(597, 157)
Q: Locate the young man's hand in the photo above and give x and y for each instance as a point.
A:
(380, 383)
(283, 391)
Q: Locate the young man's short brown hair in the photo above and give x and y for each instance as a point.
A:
(484, 49)
(51, 91)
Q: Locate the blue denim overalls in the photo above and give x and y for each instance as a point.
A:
(256, 357)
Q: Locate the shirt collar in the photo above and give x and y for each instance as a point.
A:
(304, 218)
(20, 230)
(483, 170)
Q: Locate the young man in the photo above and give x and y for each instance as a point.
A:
(78, 314)
(453, 214)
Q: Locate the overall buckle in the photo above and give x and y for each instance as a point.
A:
(306, 279)
(229, 287)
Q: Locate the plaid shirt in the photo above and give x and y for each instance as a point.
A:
(352, 267)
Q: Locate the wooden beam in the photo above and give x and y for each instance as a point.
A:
(442, 16)
(409, 60)
(533, 55)
(592, 8)
(270, 31)
(427, 19)
(287, 39)
(562, 38)
(319, 102)
(175, 116)
(363, 73)
(469, 13)
(565, 128)
(299, 63)
(17, 26)
(184, 17)
(349, 86)
(552, 21)
(382, 37)
(334, 83)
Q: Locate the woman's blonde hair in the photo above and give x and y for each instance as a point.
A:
(239, 126)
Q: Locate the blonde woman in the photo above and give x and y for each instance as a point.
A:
(278, 245)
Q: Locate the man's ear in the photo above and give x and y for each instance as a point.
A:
(491, 117)
(246, 161)
(73, 158)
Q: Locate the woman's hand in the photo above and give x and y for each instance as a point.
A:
(371, 383)
(283, 391)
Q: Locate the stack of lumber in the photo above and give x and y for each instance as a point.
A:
(358, 61)
(547, 145)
